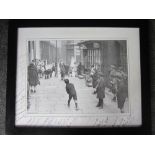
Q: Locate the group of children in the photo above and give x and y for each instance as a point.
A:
(100, 90)
(116, 80)
(117, 84)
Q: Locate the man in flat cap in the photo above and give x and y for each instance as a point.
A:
(101, 91)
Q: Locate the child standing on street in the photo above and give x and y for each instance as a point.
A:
(70, 89)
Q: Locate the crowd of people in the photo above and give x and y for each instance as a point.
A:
(114, 80)
(40, 69)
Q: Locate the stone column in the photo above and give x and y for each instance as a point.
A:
(38, 55)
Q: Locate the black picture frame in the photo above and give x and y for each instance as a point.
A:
(145, 128)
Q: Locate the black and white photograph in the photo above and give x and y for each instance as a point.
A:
(78, 77)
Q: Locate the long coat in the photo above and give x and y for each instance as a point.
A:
(101, 88)
(70, 89)
(95, 79)
(62, 70)
(79, 69)
(32, 75)
(122, 94)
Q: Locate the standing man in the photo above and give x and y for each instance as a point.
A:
(70, 89)
(113, 81)
(79, 69)
(101, 91)
(122, 93)
(95, 77)
(92, 70)
(62, 70)
(53, 70)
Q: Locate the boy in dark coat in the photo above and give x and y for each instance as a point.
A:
(70, 89)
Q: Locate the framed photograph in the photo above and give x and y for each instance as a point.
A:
(81, 76)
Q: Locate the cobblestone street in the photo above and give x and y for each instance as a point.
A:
(51, 98)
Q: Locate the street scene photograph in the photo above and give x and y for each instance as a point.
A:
(77, 76)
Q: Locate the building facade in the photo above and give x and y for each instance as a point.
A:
(52, 51)
(49, 51)
(69, 47)
(104, 53)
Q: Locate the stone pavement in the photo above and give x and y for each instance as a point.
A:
(51, 98)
